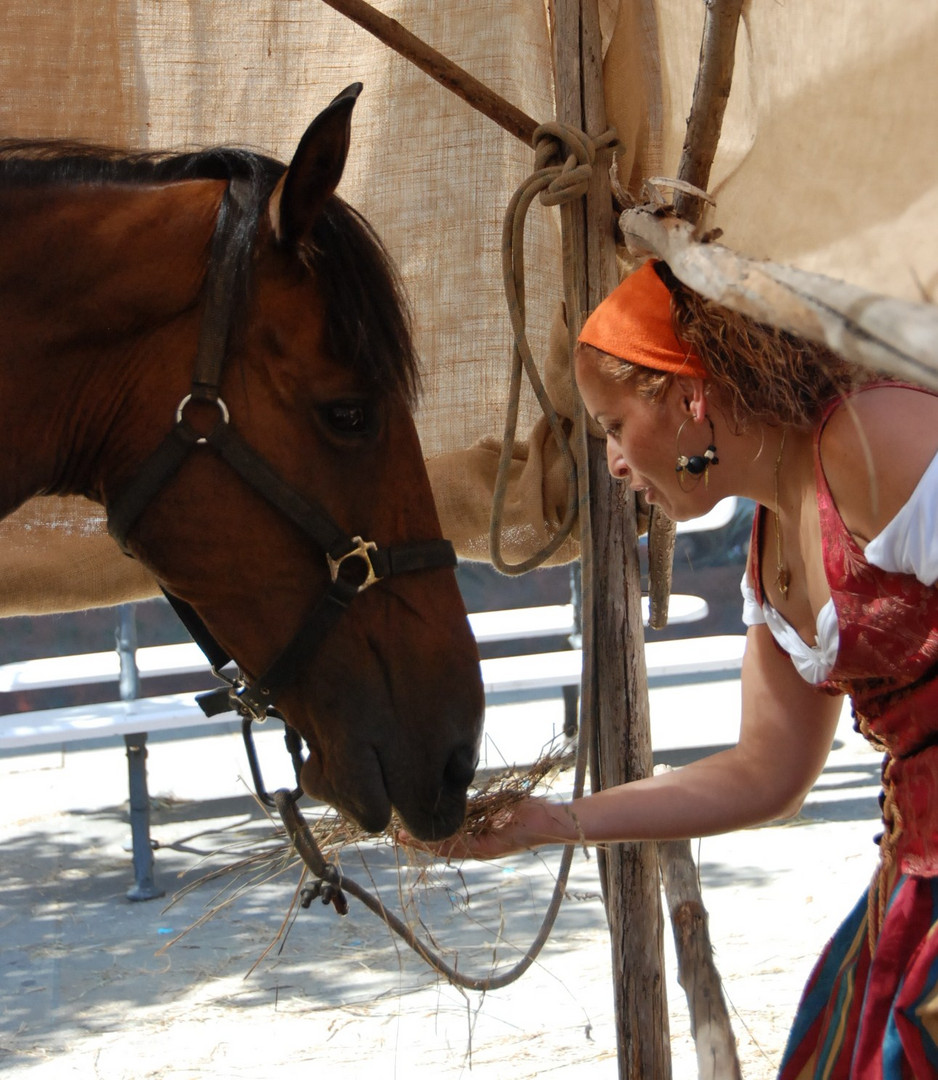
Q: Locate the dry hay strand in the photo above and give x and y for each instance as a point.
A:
(491, 801)
(495, 799)
(261, 861)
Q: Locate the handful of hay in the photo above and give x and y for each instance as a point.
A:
(501, 792)
(488, 805)
(261, 859)
(491, 801)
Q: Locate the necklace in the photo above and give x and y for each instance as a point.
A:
(783, 574)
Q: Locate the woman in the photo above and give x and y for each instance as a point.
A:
(698, 403)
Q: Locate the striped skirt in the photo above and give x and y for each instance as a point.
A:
(873, 1016)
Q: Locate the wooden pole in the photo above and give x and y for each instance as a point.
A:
(615, 680)
(897, 337)
(697, 973)
(711, 93)
(438, 67)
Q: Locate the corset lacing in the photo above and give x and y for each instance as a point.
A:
(888, 840)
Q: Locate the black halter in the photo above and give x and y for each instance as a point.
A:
(354, 563)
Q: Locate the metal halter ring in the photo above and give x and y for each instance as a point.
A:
(360, 551)
(217, 402)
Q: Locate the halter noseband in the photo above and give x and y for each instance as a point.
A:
(354, 564)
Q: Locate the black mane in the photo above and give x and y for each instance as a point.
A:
(368, 318)
(28, 163)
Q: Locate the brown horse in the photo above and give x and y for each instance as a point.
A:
(216, 349)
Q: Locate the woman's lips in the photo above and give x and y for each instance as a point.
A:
(648, 493)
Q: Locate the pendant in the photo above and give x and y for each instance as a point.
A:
(783, 581)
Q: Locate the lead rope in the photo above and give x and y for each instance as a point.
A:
(556, 184)
(330, 886)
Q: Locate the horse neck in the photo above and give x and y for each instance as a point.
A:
(99, 291)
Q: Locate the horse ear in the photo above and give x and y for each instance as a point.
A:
(315, 170)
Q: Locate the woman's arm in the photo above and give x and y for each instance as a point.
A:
(785, 736)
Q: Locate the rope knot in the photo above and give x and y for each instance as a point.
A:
(575, 151)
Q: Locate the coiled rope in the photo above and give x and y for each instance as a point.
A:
(563, 165)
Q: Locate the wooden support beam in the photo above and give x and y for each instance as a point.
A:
(615, 691)
(896, 337)
(697, 973)
(438, 67)
(711, 93)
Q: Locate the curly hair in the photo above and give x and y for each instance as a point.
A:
(765, 375)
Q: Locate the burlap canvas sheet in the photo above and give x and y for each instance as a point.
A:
(827, 162)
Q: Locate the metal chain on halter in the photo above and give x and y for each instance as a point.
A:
(563, 159)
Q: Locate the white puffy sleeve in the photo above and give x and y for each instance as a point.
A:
(909, 543)
(752, 611)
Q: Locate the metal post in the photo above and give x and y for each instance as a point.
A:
(144, 887)
(571, 694)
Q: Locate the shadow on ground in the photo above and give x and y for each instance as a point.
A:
(78, 958)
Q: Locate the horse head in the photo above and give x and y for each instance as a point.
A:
(316, 384)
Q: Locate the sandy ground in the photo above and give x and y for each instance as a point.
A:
(88, 987)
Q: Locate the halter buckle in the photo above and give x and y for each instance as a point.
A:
(360, 551)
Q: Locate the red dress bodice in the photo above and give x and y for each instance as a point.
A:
(887, 661)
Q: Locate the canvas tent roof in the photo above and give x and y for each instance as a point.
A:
(826, 163)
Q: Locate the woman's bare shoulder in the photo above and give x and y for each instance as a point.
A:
(874, 450)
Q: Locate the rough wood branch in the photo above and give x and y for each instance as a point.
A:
(711, 93)
(661, 539)
(710, 1023)
(896, 337)
(437, 66)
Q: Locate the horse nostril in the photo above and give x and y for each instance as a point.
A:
(461, 767)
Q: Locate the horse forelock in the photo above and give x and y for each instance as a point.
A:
(368, 319)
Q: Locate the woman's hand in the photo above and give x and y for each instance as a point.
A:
(525, 826)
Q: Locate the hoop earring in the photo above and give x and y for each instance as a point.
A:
(699, 464)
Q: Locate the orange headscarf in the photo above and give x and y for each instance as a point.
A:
(634, 324)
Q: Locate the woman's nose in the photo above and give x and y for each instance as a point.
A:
(614, 460)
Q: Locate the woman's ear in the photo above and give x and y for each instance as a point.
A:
(693, 397)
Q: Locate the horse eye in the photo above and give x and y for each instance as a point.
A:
(348, 418)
